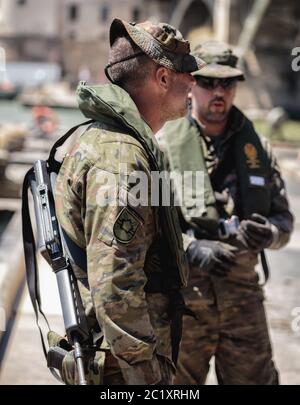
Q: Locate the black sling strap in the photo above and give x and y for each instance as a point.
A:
(30, 257)
(176, 312)
(28, 234)
(265, 266)
(75, 252)
(53, 164)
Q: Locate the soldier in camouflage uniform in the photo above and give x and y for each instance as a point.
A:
(242, 178)
(135, 258)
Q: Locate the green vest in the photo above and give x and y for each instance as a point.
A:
(185, 153)
(113, 105)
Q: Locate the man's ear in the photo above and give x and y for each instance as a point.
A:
(163, 78)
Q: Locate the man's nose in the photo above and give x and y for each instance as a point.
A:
(219, 91)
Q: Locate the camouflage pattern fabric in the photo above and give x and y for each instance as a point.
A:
(93, 362)
(162, 42)
(237, 337)
(241, 284)
(93, 365)
(223, 304)
(221, 62)
(101, 368)
(117, 239)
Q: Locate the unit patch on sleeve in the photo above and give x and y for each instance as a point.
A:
(126, 225)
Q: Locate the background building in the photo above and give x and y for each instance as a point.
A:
(74, 34)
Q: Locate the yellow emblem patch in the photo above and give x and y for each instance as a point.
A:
(251, 153)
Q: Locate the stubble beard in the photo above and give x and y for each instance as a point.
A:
(213, 117)
(172, 113)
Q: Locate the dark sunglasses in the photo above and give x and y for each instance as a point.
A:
(212, 83)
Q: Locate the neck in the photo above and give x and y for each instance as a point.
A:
(149, 110)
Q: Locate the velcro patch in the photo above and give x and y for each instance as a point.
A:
(126, 225)
(257, 181)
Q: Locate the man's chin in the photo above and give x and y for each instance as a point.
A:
(217, 116)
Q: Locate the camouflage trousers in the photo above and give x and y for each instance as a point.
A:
(114, 376)
(105, 370)
(238, 339)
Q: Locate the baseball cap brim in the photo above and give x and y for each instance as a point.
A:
(148, 44)
(220, 72)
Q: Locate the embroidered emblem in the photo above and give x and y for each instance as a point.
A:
(126, 225)
(251, 153)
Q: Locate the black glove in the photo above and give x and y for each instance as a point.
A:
(213, 256)
(255, 233)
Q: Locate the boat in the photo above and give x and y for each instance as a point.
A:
(54, 95)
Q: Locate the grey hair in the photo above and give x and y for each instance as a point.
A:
(132, 73)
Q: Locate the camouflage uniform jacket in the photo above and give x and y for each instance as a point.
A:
(241, 285)
(117, 239)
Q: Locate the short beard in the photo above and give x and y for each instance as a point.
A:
(214, 118)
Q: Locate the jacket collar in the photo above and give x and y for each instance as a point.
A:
(110, 101)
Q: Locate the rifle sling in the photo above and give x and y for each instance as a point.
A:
(29, 240)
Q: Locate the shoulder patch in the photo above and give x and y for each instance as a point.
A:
(126, 225)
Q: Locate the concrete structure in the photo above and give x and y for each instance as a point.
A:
(29, 30)
(69, 32)
(75, 34)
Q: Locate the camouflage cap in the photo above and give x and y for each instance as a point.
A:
(161, 42)
(221, 61)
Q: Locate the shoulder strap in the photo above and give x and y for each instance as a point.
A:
(30, 257)
(224, 167)
(75, 252)
(51, 159)
(253, 168)
(28, 234)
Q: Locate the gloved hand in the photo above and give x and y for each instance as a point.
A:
(255, 233)
(213, 256)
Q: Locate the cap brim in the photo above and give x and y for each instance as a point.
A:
(119, 28)
(193, 64)
(220, 72)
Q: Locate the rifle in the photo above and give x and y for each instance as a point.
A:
(57, 248)
(52, 246)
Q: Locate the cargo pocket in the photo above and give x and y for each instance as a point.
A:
(106, 234)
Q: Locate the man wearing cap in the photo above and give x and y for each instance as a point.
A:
(136, 264)
(245, 210)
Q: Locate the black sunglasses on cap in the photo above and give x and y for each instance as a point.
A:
(211, 83)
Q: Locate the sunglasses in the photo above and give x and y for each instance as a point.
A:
(211, 83)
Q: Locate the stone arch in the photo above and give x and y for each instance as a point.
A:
(191, 14)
